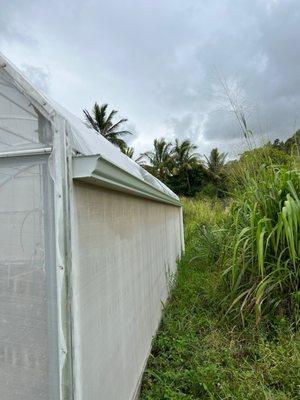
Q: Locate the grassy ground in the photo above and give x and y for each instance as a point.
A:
(200, 354)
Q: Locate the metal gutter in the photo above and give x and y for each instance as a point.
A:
(96, 170)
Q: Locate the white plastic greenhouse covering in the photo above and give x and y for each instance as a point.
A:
(89, 244)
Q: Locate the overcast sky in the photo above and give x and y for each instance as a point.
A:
(159, 62)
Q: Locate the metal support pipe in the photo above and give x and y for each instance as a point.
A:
(29, 152)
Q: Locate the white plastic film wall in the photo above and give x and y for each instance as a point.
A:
(125, 253)
(21, 126)
(28, 326)
(28, 331)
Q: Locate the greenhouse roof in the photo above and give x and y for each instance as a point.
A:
(87, 142)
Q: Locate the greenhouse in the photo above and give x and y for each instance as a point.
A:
(89, 244)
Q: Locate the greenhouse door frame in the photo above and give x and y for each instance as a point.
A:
(40, 157)
(58, 164)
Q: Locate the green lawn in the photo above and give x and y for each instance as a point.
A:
(199, 353)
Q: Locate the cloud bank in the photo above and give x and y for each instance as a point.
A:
(160, 63)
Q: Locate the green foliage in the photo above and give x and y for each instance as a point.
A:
(187, 172)
(242, 259)
(266, 155)
(264, 252)
(188, 181)
(215, 162)
(128, 151)
(158, 161)
(251, 162)
(104, 125)
(180, 167)
(291, 146)
(201, 354)
(202, 212)
(183, 156)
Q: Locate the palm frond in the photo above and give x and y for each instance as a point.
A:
(116, 125)
(90, 121)
(104, 124)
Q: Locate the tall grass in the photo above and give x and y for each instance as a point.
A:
(198, 352)
(203, 220)
(263, 253)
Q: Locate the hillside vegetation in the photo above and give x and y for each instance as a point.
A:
(230, 329)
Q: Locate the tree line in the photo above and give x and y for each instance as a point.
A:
(177, 164)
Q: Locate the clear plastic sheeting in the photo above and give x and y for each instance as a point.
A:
(28, 347)
(124, 263)
(21, 126)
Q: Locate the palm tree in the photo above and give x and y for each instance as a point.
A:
(184, 155)
(184, 158)
(128, 151)
(159, 160)
(215, 162)
(103, 124)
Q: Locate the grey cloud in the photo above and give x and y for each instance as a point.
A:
(185, 127)
(256, 45)
(12, 24)
(158, 62)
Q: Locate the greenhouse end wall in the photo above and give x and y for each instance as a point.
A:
(126, 248)
(28, 340)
